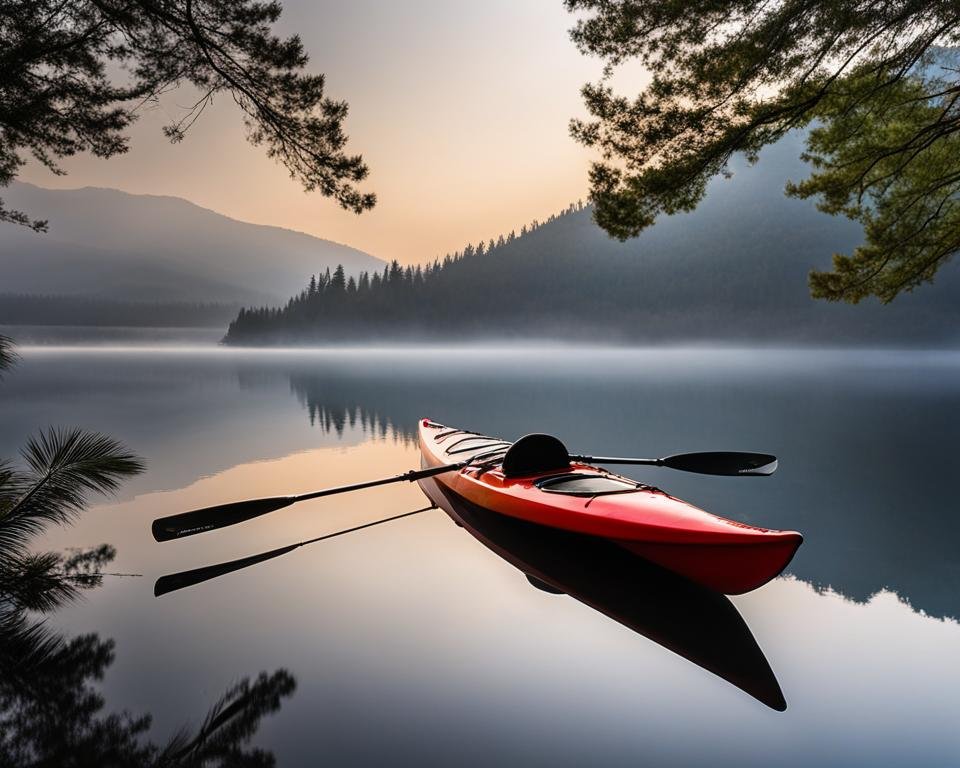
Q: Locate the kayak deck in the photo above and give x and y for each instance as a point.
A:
(725, 555)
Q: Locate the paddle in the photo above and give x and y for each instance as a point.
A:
(732, 463)
(174, 581)
(222, 515)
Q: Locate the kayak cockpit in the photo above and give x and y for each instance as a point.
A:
(582, 484)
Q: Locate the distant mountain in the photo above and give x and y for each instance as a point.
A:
(733, 270)
(110, 244)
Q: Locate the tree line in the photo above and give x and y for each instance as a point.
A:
(396, 300)
(734, 271)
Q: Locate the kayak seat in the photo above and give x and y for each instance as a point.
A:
(535, 454)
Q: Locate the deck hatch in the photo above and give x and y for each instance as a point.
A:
(586, 485)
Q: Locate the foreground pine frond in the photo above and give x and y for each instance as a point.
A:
(64, 468)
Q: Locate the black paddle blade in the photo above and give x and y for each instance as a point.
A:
(211, 518)
(175, 581)
(723, 463)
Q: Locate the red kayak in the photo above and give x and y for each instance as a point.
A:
(537, 481)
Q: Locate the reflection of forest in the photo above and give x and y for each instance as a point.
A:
(848, 481)
(390, 406)
(52, 713)
(335, 418)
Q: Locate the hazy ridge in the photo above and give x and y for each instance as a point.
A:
(110, 244)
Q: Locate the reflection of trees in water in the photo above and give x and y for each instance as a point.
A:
(333, 408)
(50, 710)
(336, 419)
(391, 403)
(52, 714)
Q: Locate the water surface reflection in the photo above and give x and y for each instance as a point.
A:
(414, 645)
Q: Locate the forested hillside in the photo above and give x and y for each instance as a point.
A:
(734, 270)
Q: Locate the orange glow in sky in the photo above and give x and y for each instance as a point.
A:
(461, 111)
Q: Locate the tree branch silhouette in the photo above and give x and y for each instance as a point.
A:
(875, 85)
(61, 96)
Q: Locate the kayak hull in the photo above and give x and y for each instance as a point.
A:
(729, 568)
(724, 555)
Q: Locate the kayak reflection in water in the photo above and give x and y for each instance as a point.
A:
(698, 624)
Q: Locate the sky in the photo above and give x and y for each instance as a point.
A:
(461, 110)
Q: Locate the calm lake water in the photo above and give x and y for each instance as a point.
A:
(412, 643)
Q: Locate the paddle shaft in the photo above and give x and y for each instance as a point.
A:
(411, 476)
(211, 518)
(616, 460)
(175, 581)
(365, 525)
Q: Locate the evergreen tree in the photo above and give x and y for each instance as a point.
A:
(395, 274)
(338, 284)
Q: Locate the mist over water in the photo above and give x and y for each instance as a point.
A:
(414, 644)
